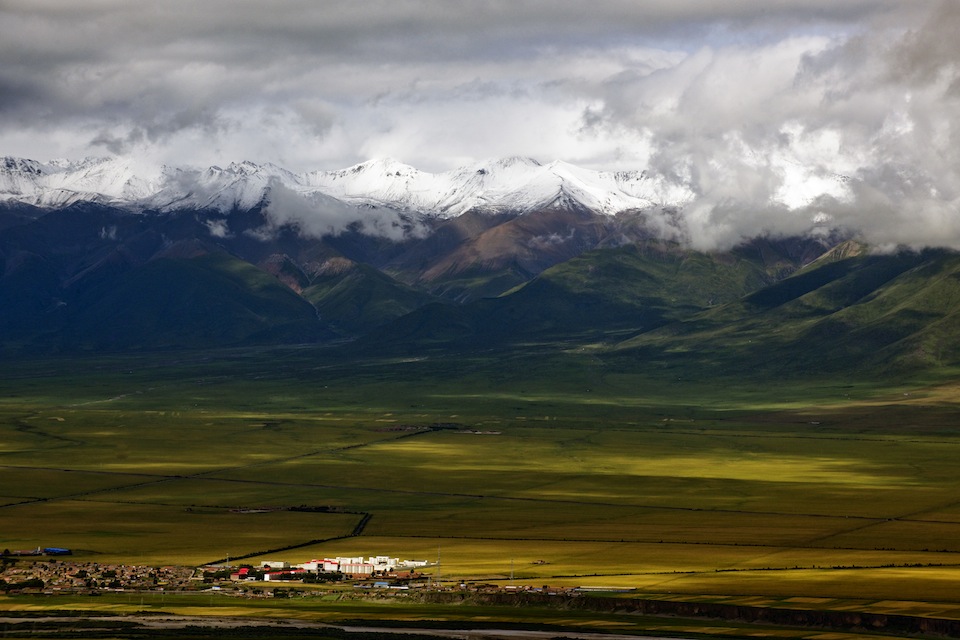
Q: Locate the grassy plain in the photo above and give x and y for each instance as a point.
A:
(572, 470)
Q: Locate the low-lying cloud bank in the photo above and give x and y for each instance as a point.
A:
(316, 215)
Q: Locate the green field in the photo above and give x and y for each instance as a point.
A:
(562, 471)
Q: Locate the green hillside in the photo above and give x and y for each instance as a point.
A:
(357, 297)
(602, 293)
(212, 299)
(877, 313)
(634, 286)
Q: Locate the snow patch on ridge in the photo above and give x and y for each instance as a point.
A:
(60, 183)
(516, 184)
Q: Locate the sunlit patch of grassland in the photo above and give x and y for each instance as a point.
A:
(561, 522)
(589, 464)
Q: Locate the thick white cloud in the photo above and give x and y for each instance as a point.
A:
(773, 113)
(319, 216)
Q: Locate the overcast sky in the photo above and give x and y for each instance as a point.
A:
(757, 104)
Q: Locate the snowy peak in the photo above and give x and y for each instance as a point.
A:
(60, 183)
(386, 166)
(525, 184)
(20, 177)
(512, 162)
(517, 184)
(21, 165)
(244, 168)
(383, 182)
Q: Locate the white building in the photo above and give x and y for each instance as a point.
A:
(413, 564)
(356, 568)
(385, 564)
(358, 565)
(330, 566)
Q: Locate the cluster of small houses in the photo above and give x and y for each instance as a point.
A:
(64, 576)
(352, 567)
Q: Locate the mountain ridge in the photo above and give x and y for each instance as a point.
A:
(497, 255)
(515, 184)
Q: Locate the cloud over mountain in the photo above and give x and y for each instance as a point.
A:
(756, 107)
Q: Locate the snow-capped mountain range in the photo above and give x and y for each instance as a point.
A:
(510, 184)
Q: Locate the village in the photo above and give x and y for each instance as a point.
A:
(27, 570)
(52, 575)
